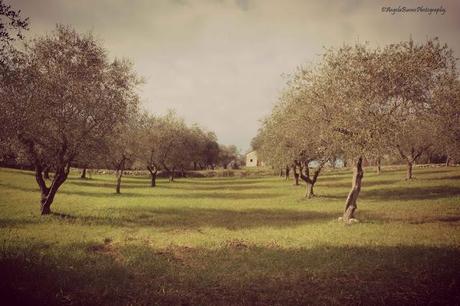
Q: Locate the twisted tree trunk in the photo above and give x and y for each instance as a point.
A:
(287, 173)
(379, 168)
(48, 193)
(310, 181)
(46, 172)
(447, 160)
(409, 170)
(119, 174)
(172, 174)
(296, 173)
(153, 175)
(411, 158)
(83, 173)
(61, 174)
(351, 204)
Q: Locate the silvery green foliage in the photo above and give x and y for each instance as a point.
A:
(363, 101)
(65, 96)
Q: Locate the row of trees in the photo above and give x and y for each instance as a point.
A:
(65, 103)
(157, 143)
(367, 103)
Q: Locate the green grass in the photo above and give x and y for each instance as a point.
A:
(253, 241)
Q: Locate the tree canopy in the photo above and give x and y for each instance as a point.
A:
(360, 102)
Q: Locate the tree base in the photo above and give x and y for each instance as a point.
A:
(350, 221)
(45, 211)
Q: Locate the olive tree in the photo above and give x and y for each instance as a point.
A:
(415, 80)
(372, 94)
(63, 93)
(294, 133)
(447, 121)
(274, 144)
(171, 143)
(227, 154)
(150, 137)
(123, 145)
(361, 102)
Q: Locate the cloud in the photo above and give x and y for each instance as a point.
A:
(219, 62)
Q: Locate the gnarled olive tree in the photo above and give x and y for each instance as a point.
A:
(63, 93)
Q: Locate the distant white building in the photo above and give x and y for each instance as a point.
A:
(252, 160)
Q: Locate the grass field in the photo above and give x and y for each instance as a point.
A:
(251, 241)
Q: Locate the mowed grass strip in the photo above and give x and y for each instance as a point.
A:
(220, 241)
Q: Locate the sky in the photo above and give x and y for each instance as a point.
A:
(223, 63)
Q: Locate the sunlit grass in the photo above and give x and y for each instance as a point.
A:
(252, 240)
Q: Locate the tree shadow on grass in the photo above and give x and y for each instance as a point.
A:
(224, 181)
(236, 273)
(439, 178)
(330, 196)
(167, 185)
(334, 178)
(219, 193)
(428, 170)
(420, 218)
(195, 218)
(112, 185)
(366, 183)
(17, 222)
(411, 193)
(222, 195)
(214, 187)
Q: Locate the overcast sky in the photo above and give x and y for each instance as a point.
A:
(220, 63)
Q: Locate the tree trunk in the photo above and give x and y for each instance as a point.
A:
(310, 181)
(153, 175)
(171, 174)
(351, 203)
(48, 193)
(411, 158)
(379, 168)
(296, 174)
(409, 170)
(309, 191)
(83, 173)
(61, 173)
(194, 166)
(281, 172)
(119, 174)
(287, 173)
(46, 173)
(46, 201)
(447, 161)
